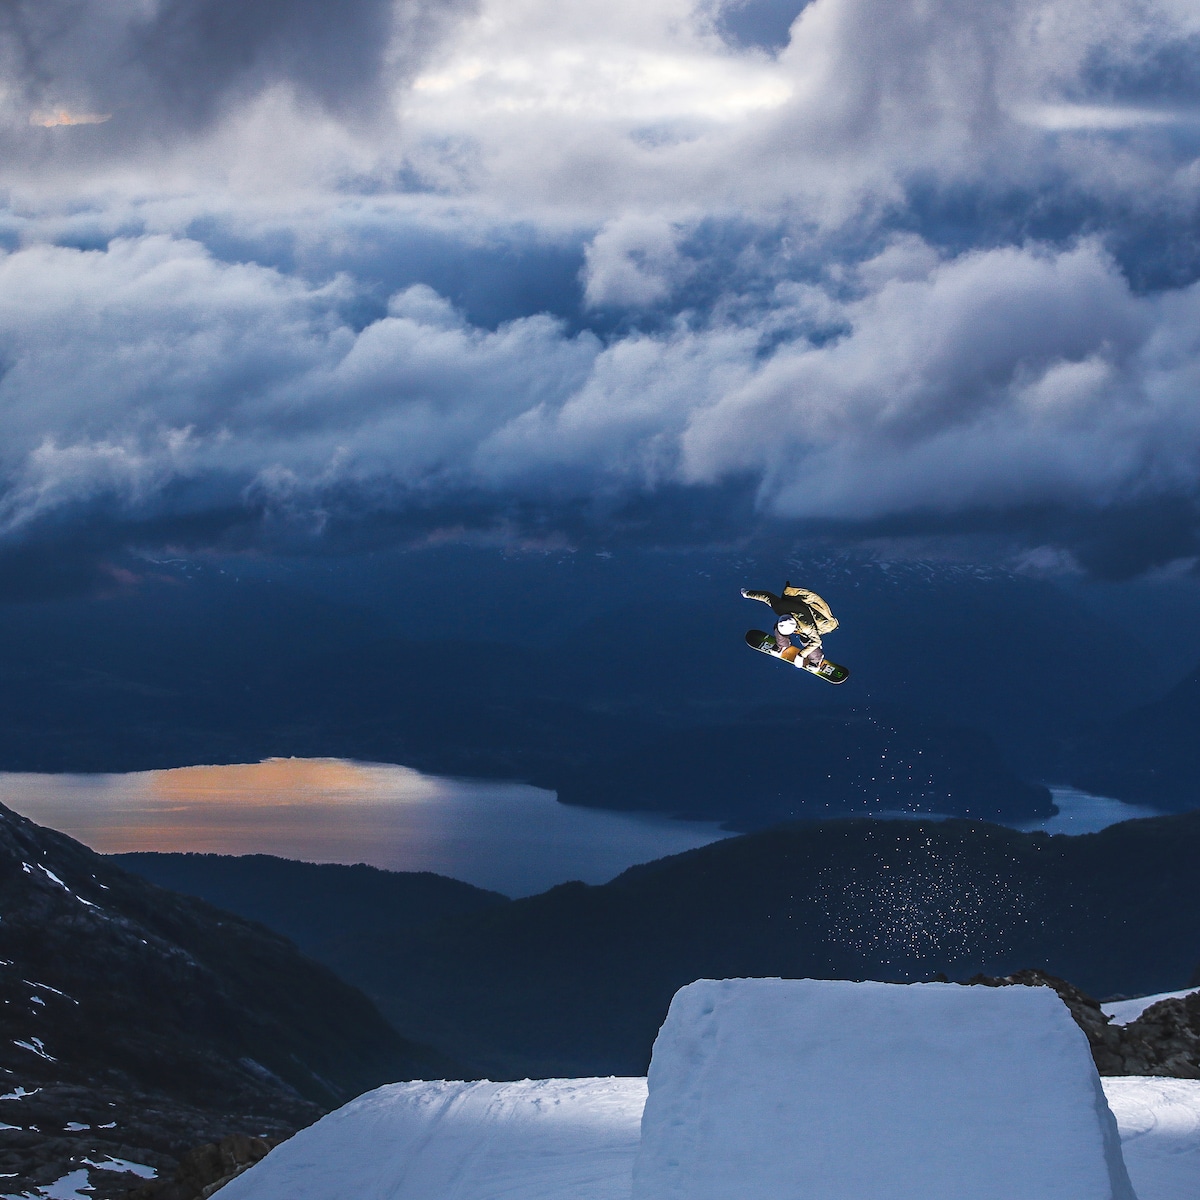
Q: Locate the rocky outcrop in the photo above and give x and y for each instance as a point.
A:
(112, 1139)
(1164, 1040)
(207, 1169)
(136, 1024)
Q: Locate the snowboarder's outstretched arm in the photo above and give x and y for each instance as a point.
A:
(765, 597)
(811, 610)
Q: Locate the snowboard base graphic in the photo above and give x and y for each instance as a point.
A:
(832, 672)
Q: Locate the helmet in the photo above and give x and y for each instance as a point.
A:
(787, 624)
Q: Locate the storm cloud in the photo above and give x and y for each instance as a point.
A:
(874, 265)
(172, 67)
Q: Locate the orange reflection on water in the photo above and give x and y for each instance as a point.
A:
(297, 807)
(286, 781)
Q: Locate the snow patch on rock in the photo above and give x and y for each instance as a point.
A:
(1125, 1012)
(35, 1046)
(72, 1186)
(122, 1166)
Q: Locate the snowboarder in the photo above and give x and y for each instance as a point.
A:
(801, 614)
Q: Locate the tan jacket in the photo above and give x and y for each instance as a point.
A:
(812, 613)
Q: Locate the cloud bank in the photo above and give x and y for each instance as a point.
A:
(878, 265)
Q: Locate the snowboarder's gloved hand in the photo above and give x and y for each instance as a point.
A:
(745, 594)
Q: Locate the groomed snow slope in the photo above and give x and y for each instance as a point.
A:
(548, 1139)
(1159, 1121)
(777, 1089)
(390, 1145)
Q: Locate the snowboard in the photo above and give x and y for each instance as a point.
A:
(832, 672)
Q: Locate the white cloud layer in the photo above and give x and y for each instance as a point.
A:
(930, 255)
(1001, 377)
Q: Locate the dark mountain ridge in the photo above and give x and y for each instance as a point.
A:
(604, 678)
(156, 1016)
(1149, 755)
(338, 915)
(654, 632)
(778, 766)
(575, 981)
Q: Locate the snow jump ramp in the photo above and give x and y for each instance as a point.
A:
(828, 1090)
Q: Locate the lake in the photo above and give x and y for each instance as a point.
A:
(1081, 812)
(1078, 812)
(509, 837)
